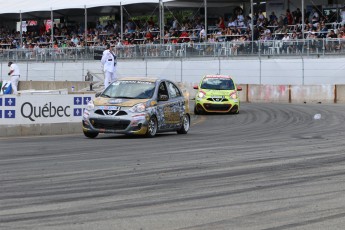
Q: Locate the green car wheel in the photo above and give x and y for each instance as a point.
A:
(90, 134)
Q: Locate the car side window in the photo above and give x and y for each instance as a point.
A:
(162, 90)
(173, 90)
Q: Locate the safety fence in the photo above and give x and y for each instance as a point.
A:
(304, 47)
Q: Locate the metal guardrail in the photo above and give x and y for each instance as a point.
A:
(303, 47)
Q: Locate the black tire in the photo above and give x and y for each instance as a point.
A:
(90, 134)
(196, 111)
(185, 125)
(152, 127)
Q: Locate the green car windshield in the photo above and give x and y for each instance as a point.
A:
(217, 84)
(130, 89)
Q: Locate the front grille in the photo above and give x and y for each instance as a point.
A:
(217, 107)
(217, 99)
(110, 124)
(110, 112)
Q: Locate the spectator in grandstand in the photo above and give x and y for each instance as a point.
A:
(281, 22)
(221, 23)
(341, 35)
(285, 43)
(15, 75)
(175, 24)
(298, 16)
(232, 22)
(331, 34)
(273, 17)
(323, 31)
(342, 15)
(288, 20)
(130, 26)
(109, 63)
(184, 37)
(202, 34)
(315, 15)
(261, 15)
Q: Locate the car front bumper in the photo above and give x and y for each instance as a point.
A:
(132, 123)
(210, 106)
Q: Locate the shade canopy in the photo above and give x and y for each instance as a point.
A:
(25, 6)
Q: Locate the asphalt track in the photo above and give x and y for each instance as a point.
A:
(273, 166)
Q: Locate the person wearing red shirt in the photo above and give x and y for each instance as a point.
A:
(184, 37)
(221, 23)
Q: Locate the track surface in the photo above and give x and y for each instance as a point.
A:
(270, 167)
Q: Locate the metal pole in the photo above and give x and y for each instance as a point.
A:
(181, 70)
(205, 7)
(302, 69)
(252, 23)
(54, 69)
(51, 28)
(27, 70)
(85, 25)
(302, 19)
(121, 10)
(161, 21)
(21, 29)
(260, 69)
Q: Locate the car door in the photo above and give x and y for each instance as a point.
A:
(167, 108)
(176, 104)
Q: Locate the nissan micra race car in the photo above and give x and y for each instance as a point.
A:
(217, 94)
(143, 106)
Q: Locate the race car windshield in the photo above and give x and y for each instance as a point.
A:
(217, 84)
(130, 89)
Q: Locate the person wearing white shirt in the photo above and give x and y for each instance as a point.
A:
(15, 74)
(232, 23)
(285, 44)
(202, 34)
(342, 15)
(109, 65)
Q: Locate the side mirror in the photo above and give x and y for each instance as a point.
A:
(239, 88)
(163, 97)
(98, 94)
(195, 87)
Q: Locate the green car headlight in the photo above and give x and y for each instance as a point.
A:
(201, 94)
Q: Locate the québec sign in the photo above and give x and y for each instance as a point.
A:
(32, 112)
(40, 109)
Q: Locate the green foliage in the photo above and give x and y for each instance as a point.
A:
(104, 19)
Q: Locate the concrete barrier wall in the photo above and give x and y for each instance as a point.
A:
(268, 93)
(53, 85)
(313, 94)
(340, 93)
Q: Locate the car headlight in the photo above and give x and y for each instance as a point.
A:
(233, 95)
(201, 94)
(90, 105)
(138, 108)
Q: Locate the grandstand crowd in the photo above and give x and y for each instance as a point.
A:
(237, 27)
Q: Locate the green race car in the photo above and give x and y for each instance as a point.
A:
(217, 94)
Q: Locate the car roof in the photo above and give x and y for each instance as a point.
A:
(149, 79)
(217, 76)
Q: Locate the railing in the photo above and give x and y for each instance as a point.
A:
(305, 47)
